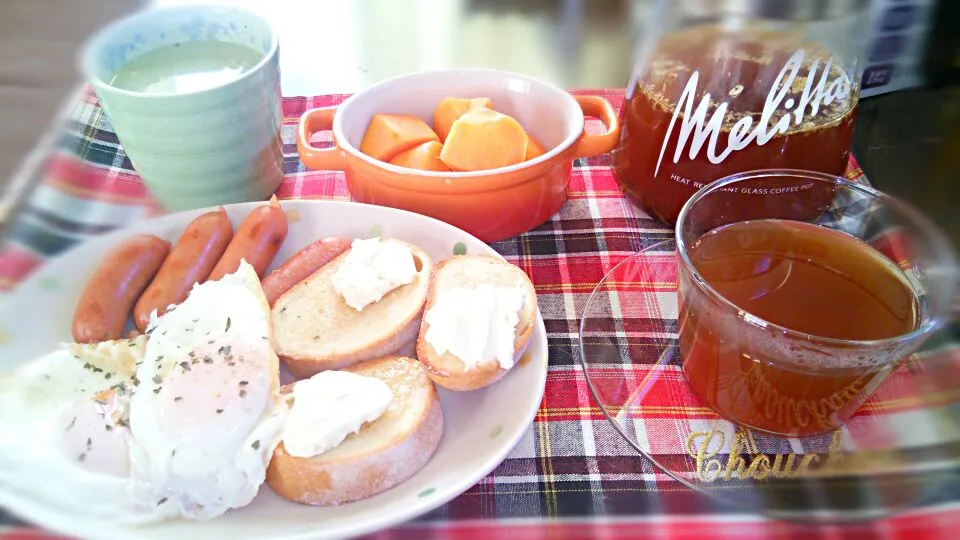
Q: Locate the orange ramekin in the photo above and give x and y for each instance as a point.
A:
(493, 204)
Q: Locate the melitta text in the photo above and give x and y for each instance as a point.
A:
(743, 132)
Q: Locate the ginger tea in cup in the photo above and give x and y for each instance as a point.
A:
(788, 325)
(193, 94)
(186, 67)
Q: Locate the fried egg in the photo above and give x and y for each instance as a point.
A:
(183, 428)
(63, 428)
(207, 413)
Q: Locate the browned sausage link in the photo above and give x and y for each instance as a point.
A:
(115, 285)
(301, 265)
(191, 260)
(257, 240)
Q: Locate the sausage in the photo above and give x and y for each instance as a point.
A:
(301, 265)
(117, 282)
(191, 260)
(256, 241)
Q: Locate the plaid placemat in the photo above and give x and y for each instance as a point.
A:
(572, 475)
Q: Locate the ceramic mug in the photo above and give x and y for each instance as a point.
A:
(214, 145)
(491, 205)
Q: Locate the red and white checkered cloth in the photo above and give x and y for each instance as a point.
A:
(572, 476)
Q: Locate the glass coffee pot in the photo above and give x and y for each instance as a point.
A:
(726, 86)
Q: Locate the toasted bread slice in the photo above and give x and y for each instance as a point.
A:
(384, 453)
(448, 370)
(316, 330)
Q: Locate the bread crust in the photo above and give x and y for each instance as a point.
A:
(322, 481)
(447, 370)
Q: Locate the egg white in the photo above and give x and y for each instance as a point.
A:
(63, 435)
(207, 413)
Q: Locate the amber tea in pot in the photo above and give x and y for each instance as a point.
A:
(739, 92)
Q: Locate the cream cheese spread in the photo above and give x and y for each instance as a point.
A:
(330, 406)
(372, 268)
(476, 324)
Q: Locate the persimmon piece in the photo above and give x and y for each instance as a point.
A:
(389, 134)
(450, 109)
(484, 139)
(425, 157)
(534, 149)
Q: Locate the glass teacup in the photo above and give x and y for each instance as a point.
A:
(794, 308)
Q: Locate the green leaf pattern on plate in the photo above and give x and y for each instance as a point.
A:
(48, 283)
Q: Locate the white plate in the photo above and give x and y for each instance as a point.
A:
(482, 427)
